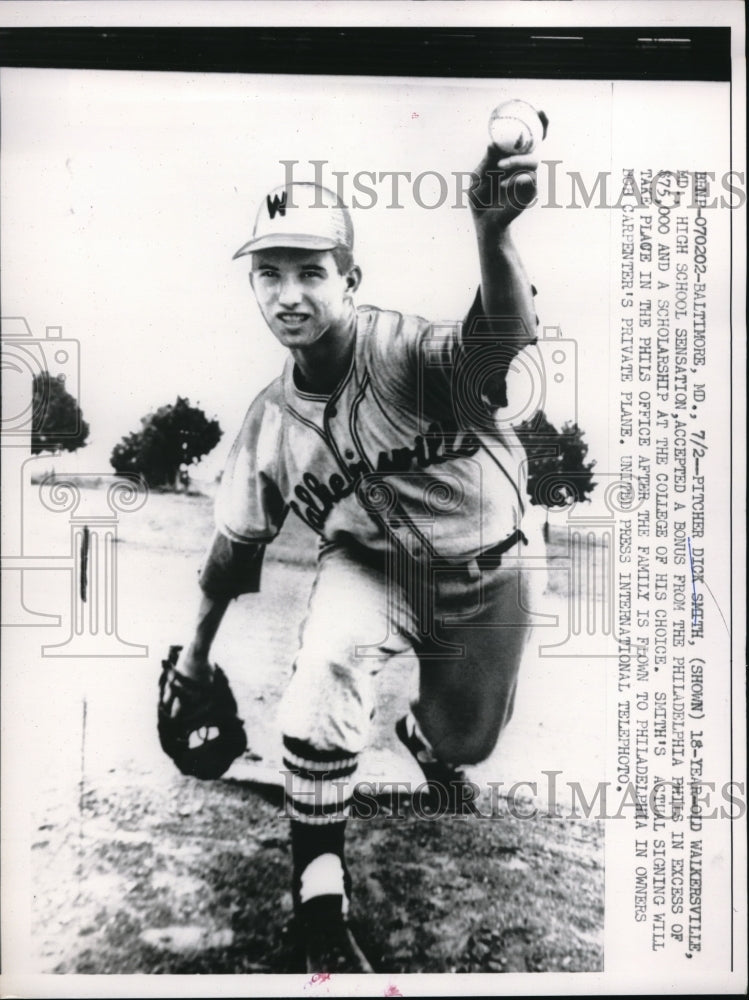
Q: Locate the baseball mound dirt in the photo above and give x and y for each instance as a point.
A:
(136, 868)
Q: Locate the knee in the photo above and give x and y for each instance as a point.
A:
(470, 736)
(463, 726)
(329, 704)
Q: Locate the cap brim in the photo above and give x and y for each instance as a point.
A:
(291, 240)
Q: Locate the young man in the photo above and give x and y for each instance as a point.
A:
(383, 434)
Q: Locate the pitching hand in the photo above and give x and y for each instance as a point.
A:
(506, 187)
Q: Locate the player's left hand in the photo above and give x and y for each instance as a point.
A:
(507, 186)
(197, 721)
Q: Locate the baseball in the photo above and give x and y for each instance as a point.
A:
(515, 128)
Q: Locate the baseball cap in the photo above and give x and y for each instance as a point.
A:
(303, 215)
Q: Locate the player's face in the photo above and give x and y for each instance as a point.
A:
(301, 295)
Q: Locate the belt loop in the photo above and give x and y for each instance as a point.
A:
(473, 570)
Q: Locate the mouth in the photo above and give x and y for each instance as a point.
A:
(292, 320)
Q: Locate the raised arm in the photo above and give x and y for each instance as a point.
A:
(506, 187)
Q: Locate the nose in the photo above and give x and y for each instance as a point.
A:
(289, 292)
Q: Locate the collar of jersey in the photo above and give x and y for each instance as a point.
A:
(363, 316)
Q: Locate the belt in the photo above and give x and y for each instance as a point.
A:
(492, 558)
(488, 559)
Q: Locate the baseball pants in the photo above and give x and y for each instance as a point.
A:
(467, 627)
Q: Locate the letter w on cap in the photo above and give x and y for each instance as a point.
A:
(276, 204)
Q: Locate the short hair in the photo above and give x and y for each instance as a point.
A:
(343, 258)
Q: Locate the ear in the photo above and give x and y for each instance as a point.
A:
(353, 279)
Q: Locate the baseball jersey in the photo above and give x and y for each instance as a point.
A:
(405, 448)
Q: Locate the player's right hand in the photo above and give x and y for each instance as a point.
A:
(506, 187)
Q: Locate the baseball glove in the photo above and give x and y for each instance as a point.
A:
(198, 723)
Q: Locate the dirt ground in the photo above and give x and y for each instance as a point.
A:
(136, 869)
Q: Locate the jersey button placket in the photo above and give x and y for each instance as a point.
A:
(342, 449)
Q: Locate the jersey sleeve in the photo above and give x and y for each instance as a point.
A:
(453, 369)
(230, 568)
(249, 510)
(249, 507)
(484, 354)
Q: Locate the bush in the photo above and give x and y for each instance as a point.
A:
(171, 439)
(57, 423)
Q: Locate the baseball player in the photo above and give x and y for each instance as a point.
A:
(384, 434)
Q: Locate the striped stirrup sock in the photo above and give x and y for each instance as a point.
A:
(318, 782)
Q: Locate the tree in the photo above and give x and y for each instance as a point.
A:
(57, 423)
(558, 474)
(577, 472)
(171, 439)
(541, 442)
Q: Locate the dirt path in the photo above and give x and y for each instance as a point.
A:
(157, 875)
(137, 869)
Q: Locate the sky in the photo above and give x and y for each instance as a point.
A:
(125, 194)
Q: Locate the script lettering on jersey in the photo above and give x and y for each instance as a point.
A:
(436, 446)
